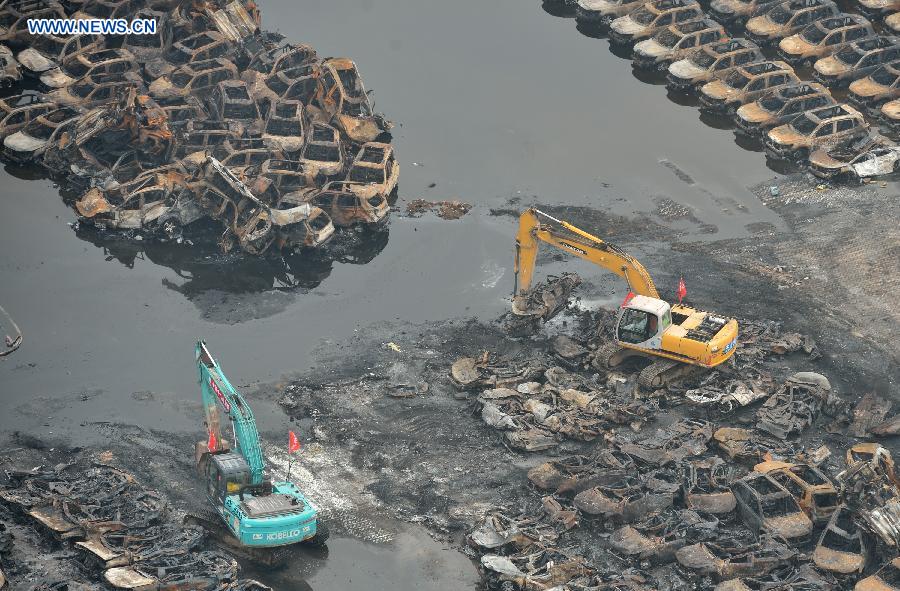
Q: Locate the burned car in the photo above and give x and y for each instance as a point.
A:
(18, 110)
(343, 205)
(105, 9)
(813, 130)
(90, 91)
(676, 42)
(812, 489)
(877, 8)
(285, 127)
(33, 139)
(856, 61)
(602, 12)
(780, 106)
(10, 72)
(146, 47)
(182, 110)
(374, 171)
(287, 175)
(46, 52)
(195, 78)
(877, 88)
(344, 102)
(892, 23)
(765, 505)
(788, 18)
(738, 12)
(855, 159)
(14, 17)
(886, 579)
(199, 47)
(745, 84)
(230, 101)
(824, 37)
(843, 547)
(650, 18)
(712, 62)
(323, 154)
(89, 64)
(890, 112)
(252, 224)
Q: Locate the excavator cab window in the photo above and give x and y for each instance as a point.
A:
(637, 326)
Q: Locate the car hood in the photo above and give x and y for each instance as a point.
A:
(878, 4)
(822, 159)
(797, 525)
(21, 142)
(651, 48)
(724, 6)
(596, 5)
(33, 60)
(56, 78)
(626, 26)
(753, 113)
(891, 110)
(762, 26)
(160, 86)
(686, 69)
(844, 563)
(717, 89)
(865, 87)
(794, 45)
(829, 65)
(783, 134)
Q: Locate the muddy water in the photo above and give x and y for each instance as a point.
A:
(494, 101)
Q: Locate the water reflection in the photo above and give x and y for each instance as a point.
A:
(559, 8)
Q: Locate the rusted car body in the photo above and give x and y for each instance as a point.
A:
(230, 101)
(285, 127)
(149, 47)
(105, 9)
(94, 90)
(10, 71)
(879, 87)
(711, 63)
(14, 18)
(299, 82)
(788, 18)
(344, 102)
(856, 61)
(283, 57)
(824, 37)
(877, 8)
(182, 110)
(239, 160)
(892, 23)
(676, 42)
(646, 21)
(780, 106)
(707, 487)
(727, 562)
(197, 78)
(92, 63)
(843, 547)
(46, 52)
(890, 112)
(745, 84)
(18, 110)
(765, 505)
(814, 129)
(374, 170)
(814, 492)
(854, 159)
(601, 13)
(345, 207)
(251, 223)
(199, 47)
(738, 12)
(323, 154)
(287, 176)
(33, 139)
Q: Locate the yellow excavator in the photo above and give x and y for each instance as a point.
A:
(675, 337)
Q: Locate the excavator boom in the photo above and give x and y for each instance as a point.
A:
(578, 242)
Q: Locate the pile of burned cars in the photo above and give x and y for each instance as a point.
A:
(722, 481)
(210, 122)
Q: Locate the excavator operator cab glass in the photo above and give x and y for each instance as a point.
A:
(227, 474)
(638, 326)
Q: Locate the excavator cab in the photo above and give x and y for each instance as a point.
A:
(226, 474)
(642, 321)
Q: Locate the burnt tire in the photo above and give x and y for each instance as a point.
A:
(322, 535)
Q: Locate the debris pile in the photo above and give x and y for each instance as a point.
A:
(117, 529)
(731, 489)
(211, 122)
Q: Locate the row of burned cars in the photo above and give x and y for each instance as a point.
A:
(208, 122)
(778, 78)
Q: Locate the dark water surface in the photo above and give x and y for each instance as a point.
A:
(493, 101)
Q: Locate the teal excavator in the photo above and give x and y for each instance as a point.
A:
(250, 513)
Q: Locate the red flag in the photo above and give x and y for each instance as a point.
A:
(212, 445)
(293, 442)
(682, 290)
(627, 299)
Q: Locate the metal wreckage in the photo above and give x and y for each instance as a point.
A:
(120, 534)
(729, 490)
(209, 122)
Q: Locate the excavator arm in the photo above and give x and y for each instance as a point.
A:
(218, 393)
(577, 242)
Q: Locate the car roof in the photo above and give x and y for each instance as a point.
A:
(698, 25)
(766, 67)
(832, 112)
